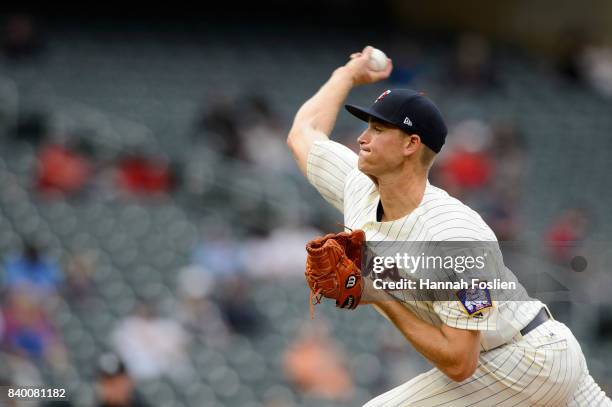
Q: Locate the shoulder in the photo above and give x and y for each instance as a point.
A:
(447, 218)
(333, 153)
(329, 163)
(327, 167)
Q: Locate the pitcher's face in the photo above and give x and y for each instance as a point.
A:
(381, 149)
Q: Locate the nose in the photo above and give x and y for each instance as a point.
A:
(363, 138)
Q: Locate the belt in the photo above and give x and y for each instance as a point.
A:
(541, 317)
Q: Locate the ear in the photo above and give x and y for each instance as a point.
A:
(411, 144)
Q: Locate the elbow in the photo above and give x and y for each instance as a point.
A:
(292, 138)
(461, 371)
(459, 376)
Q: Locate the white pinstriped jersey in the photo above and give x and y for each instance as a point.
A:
(546, 367)
(332, 170)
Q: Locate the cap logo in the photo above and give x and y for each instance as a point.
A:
(382, 95)
(407, 121)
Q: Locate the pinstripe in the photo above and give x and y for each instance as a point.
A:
(458, 228)
(443, 377)
(330, 174)
(446, 220)
(472, 220)
(324, 178)
(552, 384)
(329, 194)
(473, 380)
(507, 388)
(340, 156)
(366, 185)
(493, 372)
(532, 380)
(563, 383)
(366, 210)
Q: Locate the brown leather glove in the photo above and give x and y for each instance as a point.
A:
(332, 268)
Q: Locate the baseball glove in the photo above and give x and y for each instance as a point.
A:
(333, 268)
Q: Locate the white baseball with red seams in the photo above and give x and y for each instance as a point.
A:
(378, 60)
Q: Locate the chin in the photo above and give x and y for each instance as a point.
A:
(363, 167)
(360, 165)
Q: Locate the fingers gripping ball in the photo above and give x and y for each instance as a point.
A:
(332, 269)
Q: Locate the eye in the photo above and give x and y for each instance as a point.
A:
(377, 129)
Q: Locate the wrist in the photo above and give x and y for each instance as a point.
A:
(373, 295)
(344, 74)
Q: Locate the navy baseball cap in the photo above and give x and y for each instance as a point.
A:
(408, 110)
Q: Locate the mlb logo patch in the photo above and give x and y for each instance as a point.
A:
(475, 300)
(382, 95)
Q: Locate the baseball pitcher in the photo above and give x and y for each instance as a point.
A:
(486, 353)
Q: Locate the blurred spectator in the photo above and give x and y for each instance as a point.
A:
(258, 110)
(219, 252)
(573, 41)
(62, 170)
(473, 66)
(584, 61)
(264, 136)
(467, 169)
(80, 268)
(21, 38)
(150, 345)
(31, 127)
(466, 165)
(197, 311)
(29, 331)
(142, 175)
(566, 234)
(237, 307)
(287, 243)
(597, 65)
(218, 128)
(194, 282)
(32, 272)
(315, 365)
(115, 387)
(499, 211)
(509, 152)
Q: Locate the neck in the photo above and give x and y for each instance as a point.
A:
(401, 193)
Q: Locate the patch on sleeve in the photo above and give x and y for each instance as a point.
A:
(475, 300)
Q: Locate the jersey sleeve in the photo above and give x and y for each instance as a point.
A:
(472, 306)
(329, 164)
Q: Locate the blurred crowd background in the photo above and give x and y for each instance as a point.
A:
(152, 221)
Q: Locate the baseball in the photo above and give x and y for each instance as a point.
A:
(378, 60)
